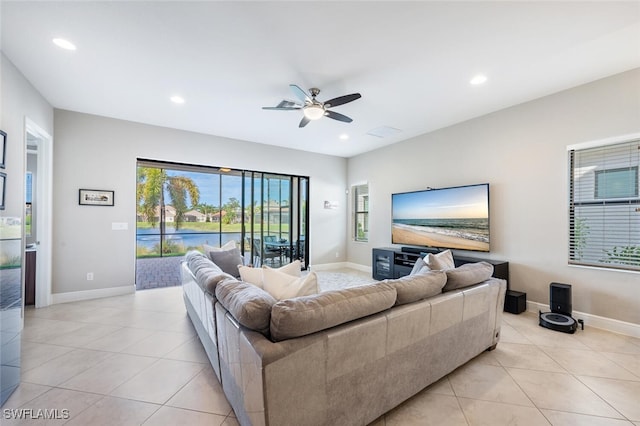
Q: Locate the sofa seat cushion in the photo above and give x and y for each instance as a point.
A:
(467, 275)
(418, 286)
(248, 304)
(308, 314)
(207, 273)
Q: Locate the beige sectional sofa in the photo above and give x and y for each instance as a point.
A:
(341, 357)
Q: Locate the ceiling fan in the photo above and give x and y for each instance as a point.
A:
(314, 109)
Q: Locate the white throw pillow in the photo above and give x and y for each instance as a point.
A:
(256, 277)
(251, 275)
(292, 268)
(441, 261)
(282, 286)
(417, 267)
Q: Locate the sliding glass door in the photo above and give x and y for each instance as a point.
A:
(183, 207)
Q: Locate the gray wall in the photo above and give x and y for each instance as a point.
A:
(521, 152)
(100, 153)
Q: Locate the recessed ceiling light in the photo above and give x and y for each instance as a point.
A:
(64, 44)
(177, 99)
(344, 136)
(478, 79)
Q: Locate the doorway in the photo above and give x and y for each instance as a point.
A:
(38, 210)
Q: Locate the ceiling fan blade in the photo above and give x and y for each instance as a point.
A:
(304, 122)
(277, 108)
(341, 100)
(300, 94)
(338, 116)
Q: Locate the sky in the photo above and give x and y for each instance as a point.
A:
(448, 203)
(209, 186)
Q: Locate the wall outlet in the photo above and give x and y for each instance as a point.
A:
(89, 276)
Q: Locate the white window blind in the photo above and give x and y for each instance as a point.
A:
(604, 206)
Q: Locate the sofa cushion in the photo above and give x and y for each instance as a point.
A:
(207, 273)
(227, 260)
(441, 261)
(467, 275)
(284, 286)
(421, 285)
(248, 304)
(305, 315)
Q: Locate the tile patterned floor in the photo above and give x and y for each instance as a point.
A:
(135, 359)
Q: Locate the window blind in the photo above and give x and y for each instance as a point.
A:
(604, 206)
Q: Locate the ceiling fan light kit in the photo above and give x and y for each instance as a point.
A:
(313, 109)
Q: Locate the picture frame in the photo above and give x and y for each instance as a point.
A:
(3, 148)
(95, 197)
(3, 185)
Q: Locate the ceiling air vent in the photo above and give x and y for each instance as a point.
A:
(383, 131)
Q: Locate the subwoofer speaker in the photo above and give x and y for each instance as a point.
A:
(560, 298)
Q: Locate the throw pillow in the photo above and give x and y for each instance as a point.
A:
(441, 261)
(283, 286)
(255, 276)
(467, 275)
(228, 261)
(251, 275)
(418, 266)
(225, 247)
(294, 268)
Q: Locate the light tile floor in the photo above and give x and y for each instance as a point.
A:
(135, 359)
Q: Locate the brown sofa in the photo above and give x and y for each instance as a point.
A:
(341, 357)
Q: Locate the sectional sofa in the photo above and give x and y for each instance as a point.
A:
(340, 357)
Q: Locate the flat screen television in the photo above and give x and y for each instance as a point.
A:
(445, 218)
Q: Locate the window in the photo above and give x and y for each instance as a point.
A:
(604, 204)
(361, 212)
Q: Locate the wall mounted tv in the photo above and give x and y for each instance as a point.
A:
(454, 218)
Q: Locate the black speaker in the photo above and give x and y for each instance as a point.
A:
(515, 302)
(560, 298)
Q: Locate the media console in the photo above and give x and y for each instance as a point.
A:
(398, 262)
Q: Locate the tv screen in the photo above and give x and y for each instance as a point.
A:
(454, 218)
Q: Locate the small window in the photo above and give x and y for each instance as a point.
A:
(361, 212)
(604, 207)
(617, 183)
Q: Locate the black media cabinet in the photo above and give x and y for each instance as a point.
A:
(396, 263)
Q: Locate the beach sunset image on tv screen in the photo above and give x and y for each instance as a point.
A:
(456, 218)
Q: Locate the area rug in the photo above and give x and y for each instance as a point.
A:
(330, 280)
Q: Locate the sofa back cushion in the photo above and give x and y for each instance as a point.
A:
(247, 303)
(207, 273)
(418, 286)
(305, 315)
(467, 275)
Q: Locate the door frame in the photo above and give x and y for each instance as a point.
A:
(44, 210)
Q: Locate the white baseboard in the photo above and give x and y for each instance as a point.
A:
(75, 296)
(339, 265)
(609, 324)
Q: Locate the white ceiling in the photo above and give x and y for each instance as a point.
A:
(411, 61)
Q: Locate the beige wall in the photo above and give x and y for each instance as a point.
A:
(521, 153)
(100, 153)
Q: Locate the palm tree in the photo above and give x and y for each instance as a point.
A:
(152, 185)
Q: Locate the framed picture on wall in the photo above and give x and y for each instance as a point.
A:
(95, 197)
(3, 184)
(3, 148)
